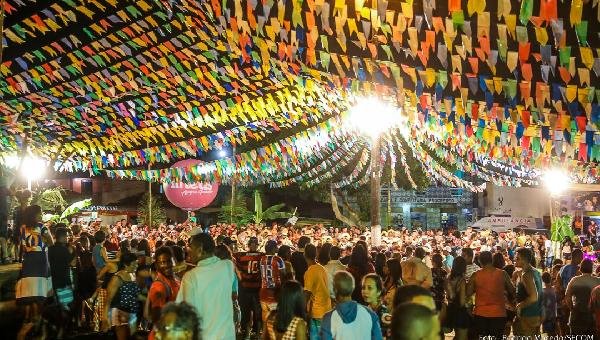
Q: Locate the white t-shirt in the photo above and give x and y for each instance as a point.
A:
(549, 248)
(208, 288)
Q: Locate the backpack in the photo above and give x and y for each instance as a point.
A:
(147, 313)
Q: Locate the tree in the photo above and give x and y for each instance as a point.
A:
(271, 213)
(50, 200)
(561, 228)
(239, 214)
(71, 210)
(243, 216)
(157, 214)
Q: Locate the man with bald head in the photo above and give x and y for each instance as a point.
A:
(349, 320)
(413, 321)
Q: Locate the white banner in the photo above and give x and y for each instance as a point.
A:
(500, 224)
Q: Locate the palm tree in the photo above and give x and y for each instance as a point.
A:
(157, 215)
(240, 215)
(271, 213)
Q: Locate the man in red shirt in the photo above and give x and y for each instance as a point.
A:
(165, 286)
(272, 269)
(248, 264)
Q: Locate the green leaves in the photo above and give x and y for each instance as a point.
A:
(75, 208)
(271, 213)
(240, 215)
(258, 212)
(51, 200)
(155, 214)
(561, 228)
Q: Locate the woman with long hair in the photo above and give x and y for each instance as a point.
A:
(285, 252)
(122, 298)
(380, 260)
(359, 266)
(288, 322)
(34, 283)
(393, 279)
(86, 279)
(323, 257)
(498, 260)
(372, 293)
(457, 316)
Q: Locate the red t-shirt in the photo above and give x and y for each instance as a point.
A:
(159, 294)
(249, 267)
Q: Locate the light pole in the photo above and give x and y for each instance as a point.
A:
(375, 182)
(222, 153)
(373, 117)
(149, 191)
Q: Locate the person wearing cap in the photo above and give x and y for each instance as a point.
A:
(272, 270)
(448, 258)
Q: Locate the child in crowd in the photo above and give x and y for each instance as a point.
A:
(103, 263)
(549, 303)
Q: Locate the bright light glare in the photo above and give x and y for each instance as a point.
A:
(222, 153)
(557, 181)
(11, 161)
(33, 168)
(373, 116)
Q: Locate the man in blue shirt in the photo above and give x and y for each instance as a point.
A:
(349, 320)
(448, 258)
(567, 272)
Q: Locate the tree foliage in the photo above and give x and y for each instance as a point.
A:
(50, 200)
(242, 215)
(238, 213)
(158, 213)
(561, 228)
(71, 210)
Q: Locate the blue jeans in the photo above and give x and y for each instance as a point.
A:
(314, 329)
(549, 260)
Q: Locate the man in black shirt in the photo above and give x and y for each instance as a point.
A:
(60, 257)
(298, 261)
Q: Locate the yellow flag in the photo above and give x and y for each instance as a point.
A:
(475, 6)
(542, 35)
(576, 12)
(407, 9)
(587, 57)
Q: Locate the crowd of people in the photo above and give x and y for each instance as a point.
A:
(282, 282)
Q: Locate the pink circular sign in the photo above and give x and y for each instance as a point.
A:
(190, 196)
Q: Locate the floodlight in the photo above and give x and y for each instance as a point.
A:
(373, 116)
(557, 181)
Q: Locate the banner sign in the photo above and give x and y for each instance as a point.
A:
(502, 224)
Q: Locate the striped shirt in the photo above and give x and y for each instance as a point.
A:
(271, 269)
(248, 264)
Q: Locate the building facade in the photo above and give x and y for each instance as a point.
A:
(433, 208)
